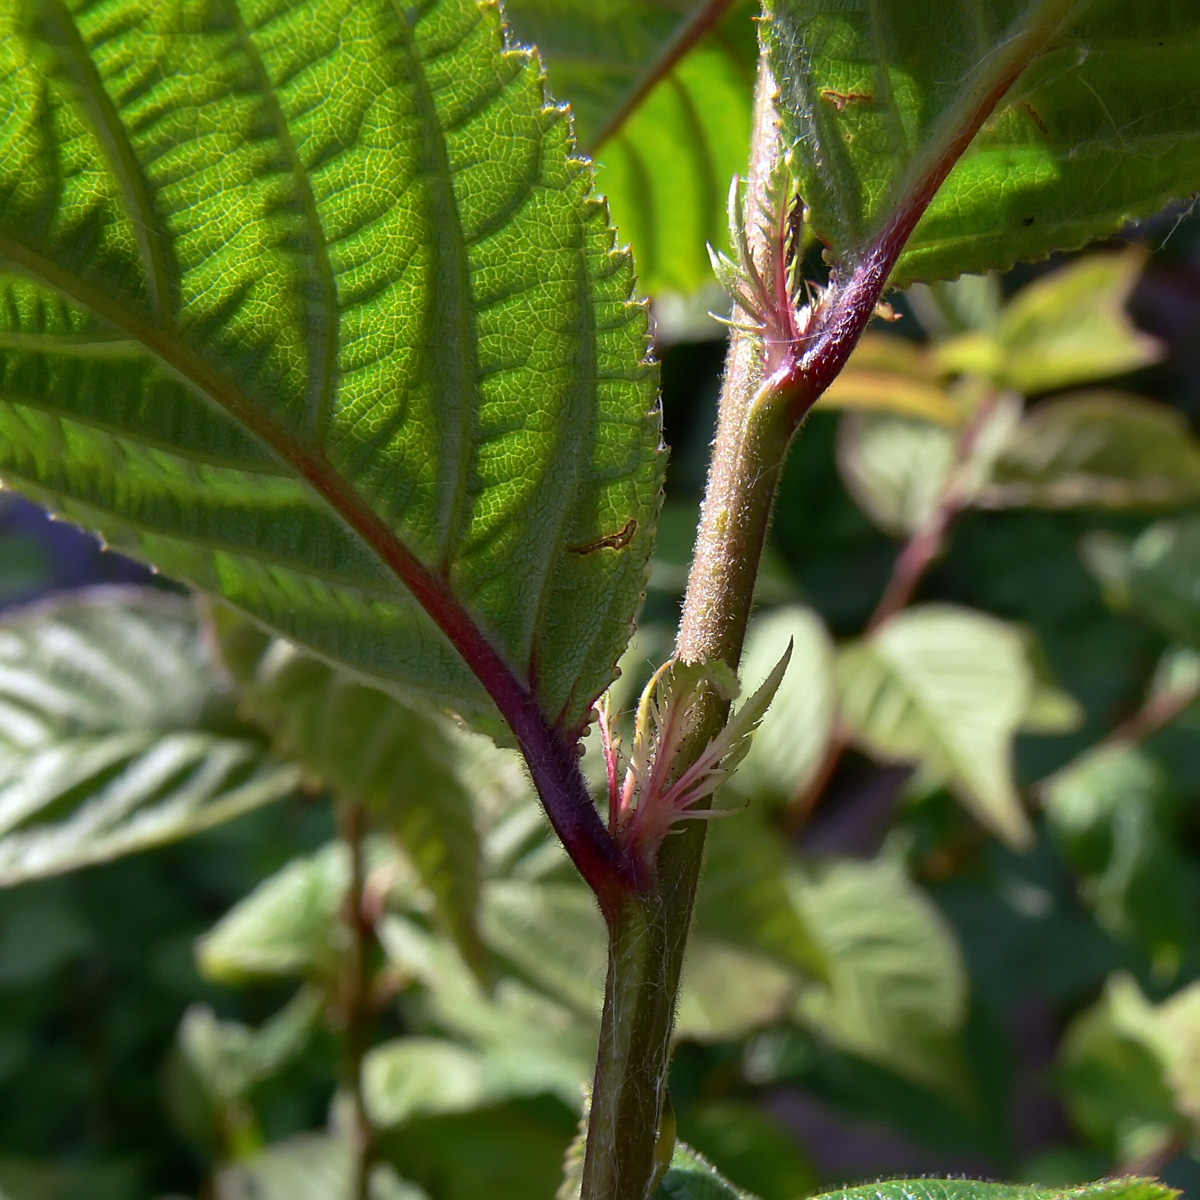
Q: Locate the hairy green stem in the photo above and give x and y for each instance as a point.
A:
(627, 1142)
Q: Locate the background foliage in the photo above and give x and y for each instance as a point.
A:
(954, 929)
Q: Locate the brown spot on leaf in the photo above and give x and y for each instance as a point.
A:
(611, 541)
(840, 100)
(1035, 116)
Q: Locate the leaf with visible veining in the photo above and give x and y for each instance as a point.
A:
(311, 305)
(118, 733)
(1097, 121)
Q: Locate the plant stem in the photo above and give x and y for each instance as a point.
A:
(759, 414)
(356, 1001)
(648, 931)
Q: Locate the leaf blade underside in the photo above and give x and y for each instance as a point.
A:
(312, 307)
(117, 733)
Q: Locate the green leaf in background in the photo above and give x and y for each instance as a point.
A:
(1101, 126)
(897, 986)
(888, 374)
(665, 152)
(1124, 1069)
(1097, 450)
(896, 468)
(505, 1152)
(288, 926)
(1112, 812)
(412, 1075)
(789, 747)
(969, 1189)
(748, 1144)
(531, 1042)
(310, 1167)
(218, 1063)
(312, 306)
(370, 749)
(1157, 574)
(948, 688)
(117, 733)
(1067, 328)
(746, 897)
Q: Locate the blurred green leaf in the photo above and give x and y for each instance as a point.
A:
(896, 468)
(746, 900)
(1100, 450)
(310, 1167)
(530, 1042)
(948, 688)
(729, 991)
(897, 988)
(874, 99)
(217, 1067)
(413, 1075)
(506, 1152)
(372, 750)
(1114, 1073)
(1157, 574)
(888, 374)
(1112, 812)
(948, 307)
(117, 733)
(745, 1142)
(666, 166)
(789, 747)
(290, 925)
(554, 935)
(1067, 328)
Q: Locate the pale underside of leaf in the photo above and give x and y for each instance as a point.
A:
(310, 306)
(107, 737)
(1096, 122)
(950, 689)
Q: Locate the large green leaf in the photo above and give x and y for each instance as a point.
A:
(948, 688)
(666, 142)
(372, 750)
(117, 733)
(310, 304)
(1101, 126)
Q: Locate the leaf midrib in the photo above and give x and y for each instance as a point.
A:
(431, 591)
